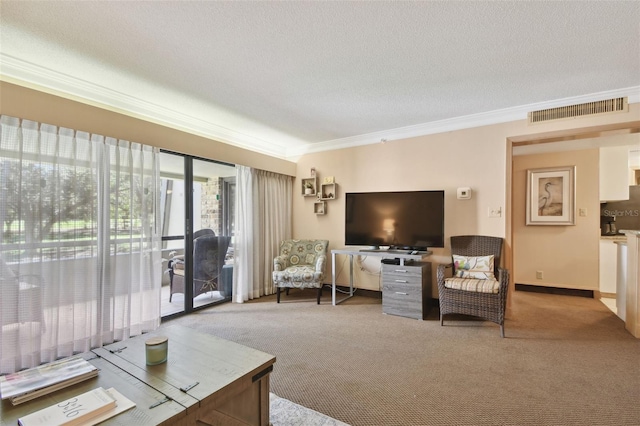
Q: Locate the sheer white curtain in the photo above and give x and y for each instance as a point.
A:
(263, 219)
(80, 262)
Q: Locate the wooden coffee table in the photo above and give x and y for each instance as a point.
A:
(206, 379)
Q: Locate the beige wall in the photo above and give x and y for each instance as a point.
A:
(467, 158)
(567, 255)
(478, 158)
(30, 104)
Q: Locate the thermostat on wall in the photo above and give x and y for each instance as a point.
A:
(464, 193)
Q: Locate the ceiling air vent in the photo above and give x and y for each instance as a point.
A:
(580, 110)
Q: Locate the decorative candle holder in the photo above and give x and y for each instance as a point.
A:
(156, 350)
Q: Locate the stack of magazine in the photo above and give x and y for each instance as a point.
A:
(87, 409)
(29, 384)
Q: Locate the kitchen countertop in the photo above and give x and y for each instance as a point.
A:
(617, 237)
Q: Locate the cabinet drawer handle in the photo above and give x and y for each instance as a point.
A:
(401, 281)
(401, 270)
(402, 293)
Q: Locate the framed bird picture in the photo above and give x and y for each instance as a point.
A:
(551, 196)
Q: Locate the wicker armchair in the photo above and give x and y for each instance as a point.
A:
(461, 293)
(300, 265)
(209, 253)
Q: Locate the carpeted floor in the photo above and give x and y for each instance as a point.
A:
(565, 361)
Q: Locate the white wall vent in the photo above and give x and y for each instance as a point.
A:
(580, 110)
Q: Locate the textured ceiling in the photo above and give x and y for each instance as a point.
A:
(288, 77)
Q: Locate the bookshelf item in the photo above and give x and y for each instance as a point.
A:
(328, 191)
(41, 380)
(319, 207)
(79, 410)
(328, 179)
(309, 186)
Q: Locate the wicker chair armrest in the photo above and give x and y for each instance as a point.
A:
(280, 263)
(503, 277)
(441, 274)
(442, 270)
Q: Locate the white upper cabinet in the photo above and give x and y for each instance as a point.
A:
(634, 165)
(614, 173)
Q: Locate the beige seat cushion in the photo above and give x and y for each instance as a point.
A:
(472, 284)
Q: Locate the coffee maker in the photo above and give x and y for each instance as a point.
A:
(608, 225)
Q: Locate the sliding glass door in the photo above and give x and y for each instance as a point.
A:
(198, 198)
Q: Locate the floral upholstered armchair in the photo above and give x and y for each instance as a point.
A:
(300, 265)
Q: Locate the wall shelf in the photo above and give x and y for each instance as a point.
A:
(319, 207)
(328, 191)
(313, 182)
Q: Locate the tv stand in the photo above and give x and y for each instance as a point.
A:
(402, 256)
(396, 261)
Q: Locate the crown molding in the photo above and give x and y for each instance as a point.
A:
(30, 75)
(23, 73)
(459, 123)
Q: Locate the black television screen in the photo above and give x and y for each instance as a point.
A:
(410, 219)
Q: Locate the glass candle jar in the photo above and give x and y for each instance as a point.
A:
(156, 350)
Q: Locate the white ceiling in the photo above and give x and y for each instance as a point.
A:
(285, 78)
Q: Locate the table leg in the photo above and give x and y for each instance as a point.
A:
(333, 279)
(334, 302)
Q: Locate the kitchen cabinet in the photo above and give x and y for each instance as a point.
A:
(608, 266)
(614, 173)
(621, 280)
(634, 165)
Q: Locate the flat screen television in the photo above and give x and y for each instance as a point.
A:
(408, 220)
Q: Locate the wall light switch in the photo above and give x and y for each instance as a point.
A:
(495, 211)
(582, 211)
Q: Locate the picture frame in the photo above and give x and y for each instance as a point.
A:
(551, 196)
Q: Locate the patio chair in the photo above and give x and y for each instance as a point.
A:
(209, 253)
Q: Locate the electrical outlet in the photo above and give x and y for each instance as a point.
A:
(539, 275)
(495, 211)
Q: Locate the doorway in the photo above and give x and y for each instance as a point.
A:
(566, 140)
(197, 210)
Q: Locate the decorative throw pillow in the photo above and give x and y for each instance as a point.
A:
(479, 267)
